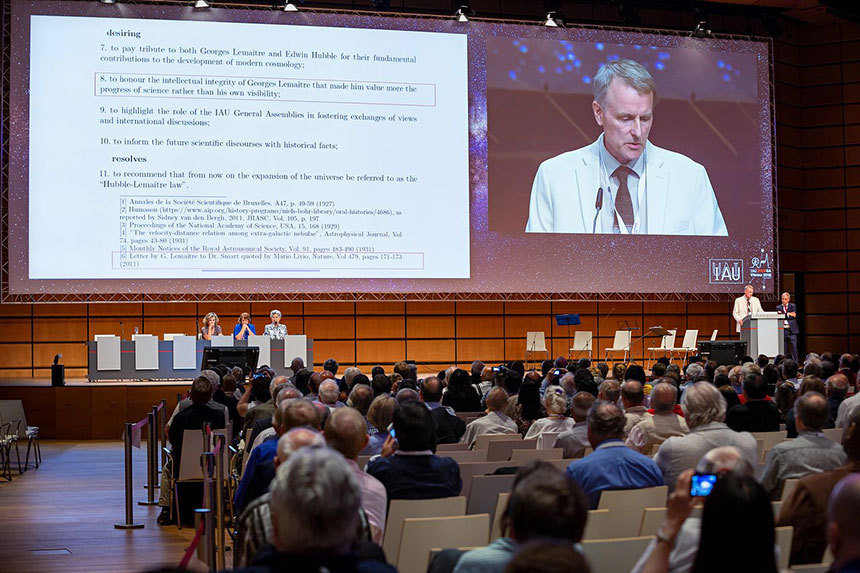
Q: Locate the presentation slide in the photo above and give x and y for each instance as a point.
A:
(162, 149)
(213, 149)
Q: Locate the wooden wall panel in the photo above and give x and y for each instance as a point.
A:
(286, 308)
(435, 351)
(161, 325)
(327, 308)
(380, 327)
(380, 351)
(228, 312)
(487, 350)
(342, 350)
(58, 309)
(173, 309)
(60, 329)
(380, 307)
(115, 309)
(74, 354)
(115, 325)
(15, 329)
(330, 327)
(481, 326)
(480, 307)
(16, 355)
(74, 413)
(24, 310)
(430, 307)
(587, 322)
(429, 327)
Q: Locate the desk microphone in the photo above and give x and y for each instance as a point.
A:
(598, 205)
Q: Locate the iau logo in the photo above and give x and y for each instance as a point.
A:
(728, 271)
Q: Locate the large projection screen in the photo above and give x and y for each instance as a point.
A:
(159, 149)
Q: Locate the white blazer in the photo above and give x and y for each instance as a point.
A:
(740, 310)
(679, 199)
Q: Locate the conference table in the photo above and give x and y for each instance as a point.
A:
(147, 357)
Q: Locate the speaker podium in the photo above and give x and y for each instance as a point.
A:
(763, 334)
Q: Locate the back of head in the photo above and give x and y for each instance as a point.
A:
(813, 368)
(547, 556)
(512, 380)
(529, 399)
(609, 390)
(813, 410)
(302, 380)
(636, 372)
(658, 369)
(762, 361)
(296, 439)
(497, 399)
(663, 398)
(414, 427)
(477, 368)
(694, 370)
(702, 404)
(545, 367)
(228, 383)
(828, 369)
(201, 390)
(381, 411)
(837, 386)
(811, 384)
(843, 508)
(406, 395)
(346, 432)
(633, 393)
(377, 371)
(606, 421)
(381, 385)
(581, 405)
(331, 365)
(740, 505)
(755, 387)
(789, 368)
(547, 504)
(431, 389)
(298, 413)
(314, 502)
(402, 368)
(725, 459)
(349, 374)
(555, 400)
(360, 398)
(329, 392)
(297, 364)
(260, 385)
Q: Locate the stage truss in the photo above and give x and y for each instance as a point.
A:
(7, 298)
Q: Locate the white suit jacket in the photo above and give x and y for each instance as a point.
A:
(740, 309)
(679, 199)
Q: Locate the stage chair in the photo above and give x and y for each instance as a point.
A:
(714, 334)
(467, 456)
(535, 342)
(11, 410)
(621, 343)
(627, 505)
(6, 441)
(688, 345)
(783, 540)
(667, 342)
(522, 457)
(582, 343)
(422, 534)
(400, 509)
(484, 493)
(598, 526)
(501, 504)
(614, 554)
(501, 450)
(482, 442)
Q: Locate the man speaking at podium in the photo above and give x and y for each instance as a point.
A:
(622, 183)
(746, 305)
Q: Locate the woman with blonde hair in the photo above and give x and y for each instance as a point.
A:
(243, 327)
(379, 415)
(210, 326)
(555, 400)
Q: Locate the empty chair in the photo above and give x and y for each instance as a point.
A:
(422, 534)
(400, 509)
(535, 343)
(501, 503)
(621, 343)
(769, 439)
(501, 450)
(12, 410)
(522, 457)
(688, 345)
(482, 442)
(667, 342)
(468, 456)
(652, 518)
(470, 469)
(614, 554)
(714, 334)
(599, 525)
(484, 493)
(626, 507)
(581, 343)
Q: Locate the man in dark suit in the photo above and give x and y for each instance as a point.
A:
(449, 428)
(791, 329)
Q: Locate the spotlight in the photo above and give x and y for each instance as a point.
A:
(554, 19)
(201, 5)
(107, 1)
(290, 7)
(702, 30)
(464, 12)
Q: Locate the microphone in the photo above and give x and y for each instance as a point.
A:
(598, 205)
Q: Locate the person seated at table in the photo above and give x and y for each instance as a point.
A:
(276, 330)
(244, 327)
(210, 326)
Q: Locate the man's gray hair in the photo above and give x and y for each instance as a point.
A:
(695, 370)
(314, 502)
(350, 373)
(630, 72)
(407, 395)
(286, 392)
(296, 439)
(329, 392)
(702, 404)
(568, 383)
(606, 420)
(724, 459)
(610, 390)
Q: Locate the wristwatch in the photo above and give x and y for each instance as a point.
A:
(662, 537)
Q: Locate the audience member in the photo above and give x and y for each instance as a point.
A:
(811, 452)
(461, 396)
(843, 528)
(495, 422)
(546, 556)
(784, 399)
(837, 388)
(408, 467)
(360, 398)
(846, 410)
(555, 400)
(609, 391)
(756, 414)
(575, 440)
(345, 432)
(379, 415)
(806, 508)
(809, 384)
(704, 411)
(449, 427)
(664, 424)
(633, 399)
(612, 465)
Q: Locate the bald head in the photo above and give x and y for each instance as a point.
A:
(360, 398)
(663, 398)
(431, 389)
(724, 459)
(837, 386)
(296, 439)
(406, 395)
(346, 432)
(582, 403)
(632, 393)
(329, 392)
(811, 411)
(297, 413)
(497, 399)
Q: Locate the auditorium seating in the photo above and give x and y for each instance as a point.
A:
(401, 509)
(501, 450)
(482, 442)
(501, 503)
(626, 506)
(599, 525)
(484, 493)
(614, 554)
(521, 457)
(421, 535)
(468, 456)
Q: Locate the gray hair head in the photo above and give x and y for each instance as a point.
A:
(630, 72)
(296, 439)
(695, 370)
(361, 397)
(610, 390)
(287, 392)
(567, 382)
(555, 399)
(274, 312)
(314, 502)
(606, 420)
(724, 459)
(213, 377)
(407, 395)
(663, 397)
(702, 404)
(350, 373)
(329, 392)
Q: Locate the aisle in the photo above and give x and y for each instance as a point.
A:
(70, 504)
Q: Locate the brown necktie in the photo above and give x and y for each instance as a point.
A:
(623, 203)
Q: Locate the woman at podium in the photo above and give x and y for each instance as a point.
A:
(243, 327)
(276, 330)
(210, 326)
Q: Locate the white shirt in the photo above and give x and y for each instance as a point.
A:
(492, 423)
(743, 308)
(633, 179)
(545, 425)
